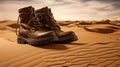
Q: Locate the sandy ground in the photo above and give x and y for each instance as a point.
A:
(98, 46)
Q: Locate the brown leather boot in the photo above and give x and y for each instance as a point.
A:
(30, 30)
(45, 16)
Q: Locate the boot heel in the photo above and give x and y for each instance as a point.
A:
(21, 41)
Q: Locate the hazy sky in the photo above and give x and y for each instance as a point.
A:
(65, 9)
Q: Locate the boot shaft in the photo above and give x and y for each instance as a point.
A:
(26, 14)
(45, 16)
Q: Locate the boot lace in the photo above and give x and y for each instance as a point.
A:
(35, 25)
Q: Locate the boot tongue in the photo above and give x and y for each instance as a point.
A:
(42, 10)
(28, 9)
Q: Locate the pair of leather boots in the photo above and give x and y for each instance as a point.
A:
(38, 27)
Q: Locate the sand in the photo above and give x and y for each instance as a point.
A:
(98, 46)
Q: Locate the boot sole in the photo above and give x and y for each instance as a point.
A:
(67, 39)
(38, 41)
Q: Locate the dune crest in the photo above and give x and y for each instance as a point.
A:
(102, 29)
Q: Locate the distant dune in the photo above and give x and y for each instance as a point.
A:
(98, 46)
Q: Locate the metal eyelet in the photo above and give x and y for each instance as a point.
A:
(32, 30)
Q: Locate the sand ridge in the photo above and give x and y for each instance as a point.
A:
(93, 49)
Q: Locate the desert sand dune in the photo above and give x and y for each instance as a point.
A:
(95, 48)
(102, 28)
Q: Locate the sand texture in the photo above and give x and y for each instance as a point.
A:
(98, 45)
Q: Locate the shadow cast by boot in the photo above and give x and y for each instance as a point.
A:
(57, 46)
(53, 46)
(77, 43)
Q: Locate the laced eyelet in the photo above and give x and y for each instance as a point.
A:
(32, 30)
